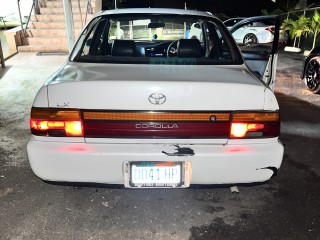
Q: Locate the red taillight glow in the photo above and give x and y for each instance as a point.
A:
(74, 129)
(255, 125)
(51, 128)
(240, 130)
(271, 29)
(56, 123)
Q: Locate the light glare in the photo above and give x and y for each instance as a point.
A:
(239, 130)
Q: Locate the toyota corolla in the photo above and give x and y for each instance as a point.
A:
(141, 102)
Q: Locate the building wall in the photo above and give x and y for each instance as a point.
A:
(10, 7)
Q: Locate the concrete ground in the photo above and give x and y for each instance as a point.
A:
(287, 207)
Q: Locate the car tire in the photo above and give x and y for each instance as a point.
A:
(312, 75)
(250, 39)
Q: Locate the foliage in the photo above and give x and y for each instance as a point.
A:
(314, 27)
(303, 26)
(291, 26)
(297, 28)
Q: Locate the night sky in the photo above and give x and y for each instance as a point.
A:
(228, 7)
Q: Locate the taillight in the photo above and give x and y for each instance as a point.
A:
(255, 125)
(56, 123)
(270, 29)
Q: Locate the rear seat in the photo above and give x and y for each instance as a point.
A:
(123, 48)
(189, 48)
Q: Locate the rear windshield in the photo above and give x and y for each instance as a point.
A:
(156, 39)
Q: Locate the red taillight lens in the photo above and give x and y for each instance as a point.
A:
(240, 130)
(271, 29)
(149, 124)
(56, 123)
(74, 129)
(255, 125)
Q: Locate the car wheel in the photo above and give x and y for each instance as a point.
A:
(250, 39)
(312, 75)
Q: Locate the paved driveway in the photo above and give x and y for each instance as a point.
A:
(285, 208)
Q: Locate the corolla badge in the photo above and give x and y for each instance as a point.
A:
(157, 98)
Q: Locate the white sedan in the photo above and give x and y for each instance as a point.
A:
(156, 108)
(251, 33)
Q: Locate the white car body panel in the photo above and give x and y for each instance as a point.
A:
(114, 87)
(263, 35)
(41, 99)
(155, 10)
(271, 69)
(103, 163)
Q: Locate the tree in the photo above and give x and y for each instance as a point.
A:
(291, 26)
(302, 27)
(297, 28)
(314, 27)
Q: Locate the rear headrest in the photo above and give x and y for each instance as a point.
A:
(189, 48)
(123, 48)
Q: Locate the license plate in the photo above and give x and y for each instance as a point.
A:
(156, 174)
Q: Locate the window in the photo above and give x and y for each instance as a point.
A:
(137, 38)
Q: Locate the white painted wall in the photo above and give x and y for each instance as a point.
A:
(9, 7)
(9, 10)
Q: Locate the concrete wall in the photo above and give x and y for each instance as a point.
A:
(4, 45)
(10, 39)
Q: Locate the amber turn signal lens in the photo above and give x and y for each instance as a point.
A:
(256, 117)
(54, 114)
(156, 116)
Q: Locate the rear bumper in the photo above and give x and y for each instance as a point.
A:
(103, 163)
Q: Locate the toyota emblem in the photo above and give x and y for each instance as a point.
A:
(157, 98)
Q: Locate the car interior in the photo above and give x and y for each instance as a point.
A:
(173, 39)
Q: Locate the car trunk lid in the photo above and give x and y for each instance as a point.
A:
(128, 87)
(117, 100)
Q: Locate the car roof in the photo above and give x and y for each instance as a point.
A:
(230, 19)
(155, 11)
